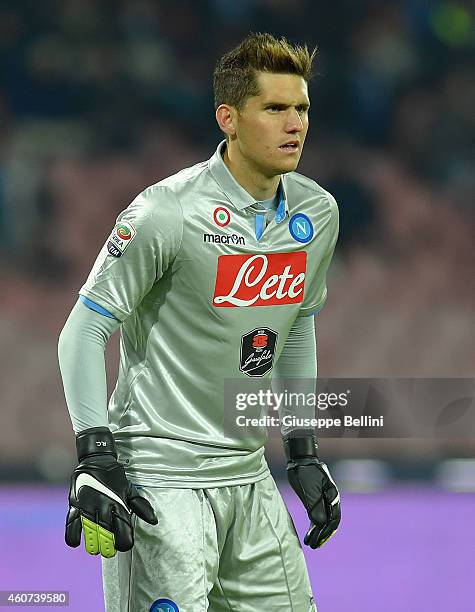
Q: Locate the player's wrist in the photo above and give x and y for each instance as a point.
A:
(94, 442)
(301, 444)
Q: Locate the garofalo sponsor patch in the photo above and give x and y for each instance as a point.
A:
(120, 238)
(257, 351)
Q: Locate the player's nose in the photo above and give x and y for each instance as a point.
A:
(294, 122)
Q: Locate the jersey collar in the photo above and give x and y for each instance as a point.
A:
(235, 193)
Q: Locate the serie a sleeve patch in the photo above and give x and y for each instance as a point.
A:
(121, 237)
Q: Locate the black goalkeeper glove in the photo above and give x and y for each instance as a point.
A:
(311, 480)
(101, 499)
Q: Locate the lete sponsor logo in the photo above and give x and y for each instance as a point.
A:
(260, 280)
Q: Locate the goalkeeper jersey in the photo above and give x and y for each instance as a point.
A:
(205, 292)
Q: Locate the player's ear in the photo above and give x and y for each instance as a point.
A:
(226, 118)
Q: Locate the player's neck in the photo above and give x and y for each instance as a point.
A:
(256, 184)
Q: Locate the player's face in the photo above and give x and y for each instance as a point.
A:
(272, 126)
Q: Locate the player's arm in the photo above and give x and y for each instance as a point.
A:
(101, 499)
(142, 245)
(81, 356)
(307, 474)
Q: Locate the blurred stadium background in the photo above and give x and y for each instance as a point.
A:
(99, 99)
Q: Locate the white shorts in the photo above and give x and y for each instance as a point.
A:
(223, 549)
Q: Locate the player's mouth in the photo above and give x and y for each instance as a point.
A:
(290, 147)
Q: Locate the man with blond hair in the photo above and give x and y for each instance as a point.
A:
(212, 274)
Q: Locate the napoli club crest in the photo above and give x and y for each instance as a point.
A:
(301, 228)
(164, 605)
(257, 351)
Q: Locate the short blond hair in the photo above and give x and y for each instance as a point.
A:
(235, 75)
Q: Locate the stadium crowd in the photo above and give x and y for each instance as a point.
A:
(99, 99)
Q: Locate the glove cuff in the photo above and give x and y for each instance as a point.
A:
(95, 441)
(300, 445)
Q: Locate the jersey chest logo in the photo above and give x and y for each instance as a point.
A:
(257, 351)
(260, 280)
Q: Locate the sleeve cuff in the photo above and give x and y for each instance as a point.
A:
(112, 309)
(93, 306)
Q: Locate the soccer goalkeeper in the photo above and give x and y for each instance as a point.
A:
(213, 273)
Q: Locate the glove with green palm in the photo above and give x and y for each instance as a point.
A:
(101, 499)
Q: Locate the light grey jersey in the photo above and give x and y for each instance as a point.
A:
(201, 300)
